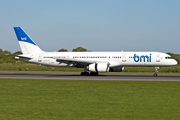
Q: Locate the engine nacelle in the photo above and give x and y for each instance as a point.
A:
(116, 69)
(98, 67)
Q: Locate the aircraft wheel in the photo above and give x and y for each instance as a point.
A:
(86, 74)
(82, 73)
(93, 73)
(155, 74)
(97, 73)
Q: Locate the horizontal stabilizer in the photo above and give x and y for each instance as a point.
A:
(20, 56)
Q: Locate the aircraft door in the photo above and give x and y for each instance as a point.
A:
(158, 58)
(40, 57)
(124, 58)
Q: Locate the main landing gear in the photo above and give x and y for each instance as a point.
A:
(85, 73)
(156, 71)
(91, 73)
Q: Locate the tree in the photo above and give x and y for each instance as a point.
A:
(1, 50)
(79, 49)
(63, 50)
(6, 52)
(17, 53)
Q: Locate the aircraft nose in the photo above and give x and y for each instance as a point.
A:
(175, 62)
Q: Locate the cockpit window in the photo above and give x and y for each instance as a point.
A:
(168, 57)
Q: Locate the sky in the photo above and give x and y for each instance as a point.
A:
(97, 25)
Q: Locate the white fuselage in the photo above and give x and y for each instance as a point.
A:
(124, 59)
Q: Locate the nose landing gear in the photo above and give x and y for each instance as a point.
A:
(156, 71)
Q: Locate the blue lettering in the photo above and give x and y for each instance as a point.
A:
(142, 58)
(136, 58)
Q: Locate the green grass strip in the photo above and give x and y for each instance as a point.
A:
(92, 100)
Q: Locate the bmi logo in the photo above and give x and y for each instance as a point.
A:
(23, 38)
(142, 58)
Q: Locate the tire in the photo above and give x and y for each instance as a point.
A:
(82, 73)
(155, 74)
(86, 74)
(93, 73)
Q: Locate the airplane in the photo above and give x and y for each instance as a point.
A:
(92, 62)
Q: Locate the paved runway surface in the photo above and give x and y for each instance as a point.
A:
(99, 78)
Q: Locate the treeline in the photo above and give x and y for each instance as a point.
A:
(6, 58)
(78, 49)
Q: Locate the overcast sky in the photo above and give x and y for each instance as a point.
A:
(98, 25)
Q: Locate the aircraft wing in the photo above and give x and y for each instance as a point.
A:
(76, 63)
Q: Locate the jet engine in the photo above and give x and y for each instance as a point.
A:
(98, 67)
(116, 69)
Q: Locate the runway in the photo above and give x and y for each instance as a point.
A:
(94, 78)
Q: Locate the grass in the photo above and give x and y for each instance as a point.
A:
(92, 100)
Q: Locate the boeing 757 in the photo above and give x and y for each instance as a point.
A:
(92, 62)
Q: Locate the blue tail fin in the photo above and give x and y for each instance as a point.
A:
(22, 36)
(26, 43)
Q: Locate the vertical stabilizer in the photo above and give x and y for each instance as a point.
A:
(27, 45)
